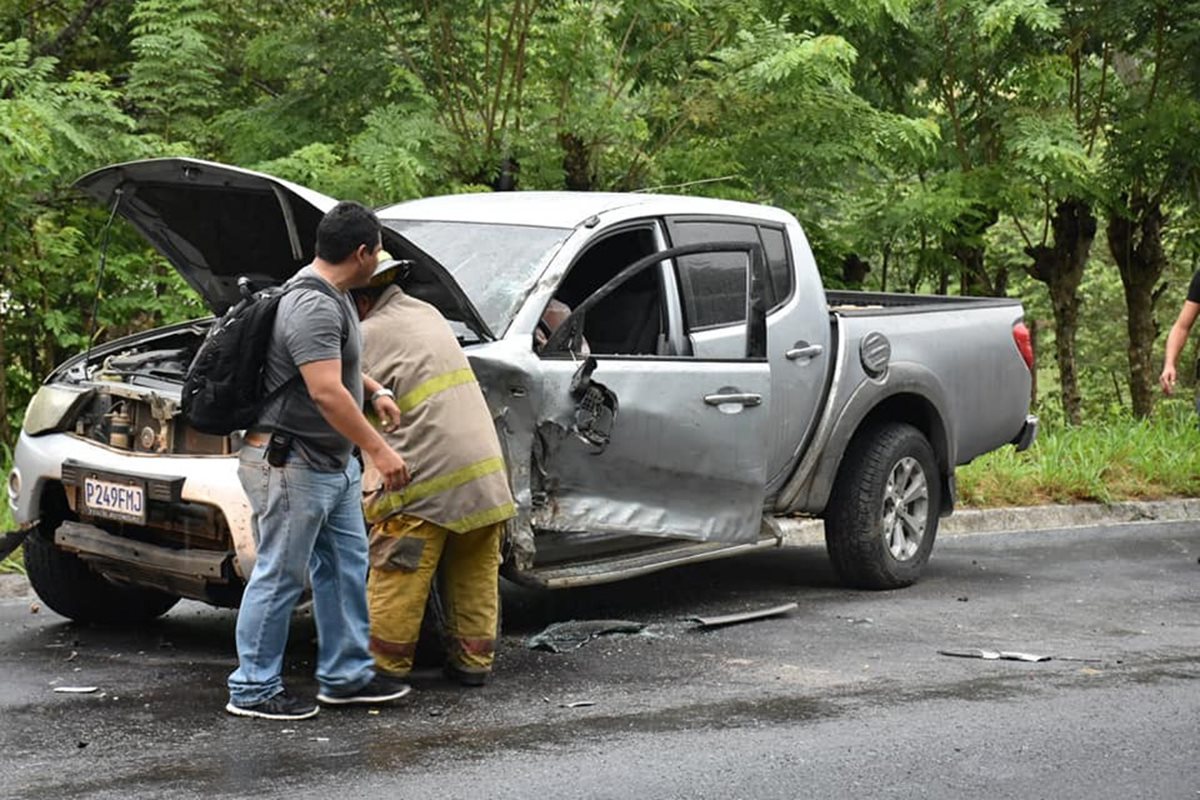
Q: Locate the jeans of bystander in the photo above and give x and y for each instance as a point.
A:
(305, 522)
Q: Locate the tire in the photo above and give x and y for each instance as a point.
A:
(66, 584)
(882, 516)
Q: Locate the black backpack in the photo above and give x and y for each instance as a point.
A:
(223, 391)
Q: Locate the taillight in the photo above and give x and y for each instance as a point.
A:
(1024, 343)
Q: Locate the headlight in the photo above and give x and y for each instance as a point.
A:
(52, 408)
(14, 487)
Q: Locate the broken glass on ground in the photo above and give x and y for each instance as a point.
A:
(573, 634)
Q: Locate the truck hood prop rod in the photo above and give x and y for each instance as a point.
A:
(117, 194)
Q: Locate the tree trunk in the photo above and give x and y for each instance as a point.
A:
(577, 166)
(966, 245)
(1035, 328)
(975, 279)
(883, 273)
(854, 271)
(506, 180)
(1135, 240)
(1060, 266)
(67, 36)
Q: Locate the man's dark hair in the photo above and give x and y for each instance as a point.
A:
(343, 228)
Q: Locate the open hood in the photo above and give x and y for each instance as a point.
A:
(215, 223)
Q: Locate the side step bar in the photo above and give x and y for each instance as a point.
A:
(620, 567)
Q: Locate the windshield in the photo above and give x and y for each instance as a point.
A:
(494, 264)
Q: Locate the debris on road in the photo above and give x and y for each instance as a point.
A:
(1007, 655)
(573, 634)
(76, 689)
(577, 704)
(745, 616)
(11, 540)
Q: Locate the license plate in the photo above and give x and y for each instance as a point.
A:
(121, 501)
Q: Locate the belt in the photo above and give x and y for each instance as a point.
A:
(258, 438)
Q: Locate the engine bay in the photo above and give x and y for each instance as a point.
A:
(132, 398)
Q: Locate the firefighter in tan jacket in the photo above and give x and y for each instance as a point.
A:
(453, 511)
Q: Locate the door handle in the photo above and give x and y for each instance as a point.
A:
(741, 398)
(804, 350)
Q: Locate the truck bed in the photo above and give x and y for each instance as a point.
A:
(844, 301)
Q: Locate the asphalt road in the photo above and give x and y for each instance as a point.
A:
(845, 697)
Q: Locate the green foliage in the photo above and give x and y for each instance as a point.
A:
(175, 77)
(931, 139)
(53, 127)
(50, 126)
(1124, 459)
(999, 19)
(1048, 148)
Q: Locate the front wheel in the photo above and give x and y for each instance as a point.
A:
(883, 514)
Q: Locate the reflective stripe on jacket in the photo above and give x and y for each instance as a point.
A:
(446, 433)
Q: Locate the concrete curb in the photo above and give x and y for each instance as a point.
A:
(807, 532)
(799, 531)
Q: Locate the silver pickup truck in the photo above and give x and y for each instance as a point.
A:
(702, 385)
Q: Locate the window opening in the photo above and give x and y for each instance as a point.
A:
(630, 321)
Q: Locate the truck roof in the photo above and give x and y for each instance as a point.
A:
(565, 209)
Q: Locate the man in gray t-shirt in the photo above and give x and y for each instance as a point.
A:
(311, 326)
(306, 497)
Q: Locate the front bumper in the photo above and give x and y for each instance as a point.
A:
(187, 573)
(208, 480)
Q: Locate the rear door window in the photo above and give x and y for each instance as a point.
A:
(714, 285)
(778, 265)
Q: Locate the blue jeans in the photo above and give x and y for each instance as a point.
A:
(304, 522)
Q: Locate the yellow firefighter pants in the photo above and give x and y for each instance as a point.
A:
(405, 556)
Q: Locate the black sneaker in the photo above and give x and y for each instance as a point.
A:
(466, 676)
(279, 706)
(381, 689)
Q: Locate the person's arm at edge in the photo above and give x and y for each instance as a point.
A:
(1175, 342)
(324, 382)
(385, 407)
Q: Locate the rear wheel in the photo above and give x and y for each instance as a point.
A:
(882, 517)
(69, 587)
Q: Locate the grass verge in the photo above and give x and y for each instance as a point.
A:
(15, 561)
(1122, 460)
